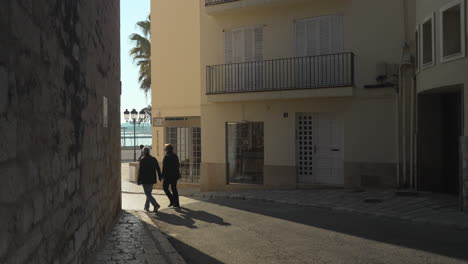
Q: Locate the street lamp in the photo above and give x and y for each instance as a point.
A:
(133, 118)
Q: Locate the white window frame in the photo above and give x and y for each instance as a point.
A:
(417, 44)
(462, 53)
(243, 29)
(432, 63)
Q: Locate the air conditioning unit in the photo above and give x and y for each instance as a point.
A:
(387, 72)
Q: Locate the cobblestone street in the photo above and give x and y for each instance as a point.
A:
(136, 240)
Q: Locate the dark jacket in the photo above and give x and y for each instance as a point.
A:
(171, 169)
(148, 168)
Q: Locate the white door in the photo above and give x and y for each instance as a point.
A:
(320, 148)
(328, 149)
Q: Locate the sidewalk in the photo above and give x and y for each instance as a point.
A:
(136, 240)
(434, 209)
(426, 208)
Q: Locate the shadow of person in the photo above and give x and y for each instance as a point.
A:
(175, 219)
(202, 216)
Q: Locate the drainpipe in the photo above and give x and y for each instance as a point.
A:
(397, 112)
(412, 138)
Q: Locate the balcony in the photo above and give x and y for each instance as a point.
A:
(300, 73)
(221, 7)
(217, 2)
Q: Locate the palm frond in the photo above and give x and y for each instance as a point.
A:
(141, 53)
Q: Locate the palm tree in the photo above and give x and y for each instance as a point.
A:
(147, 111)
(141, 53)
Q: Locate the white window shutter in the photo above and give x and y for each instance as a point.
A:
(238, 54)
(259, 43)
(228, 47)
(301, 38)
(337, 34)
(313, 37)
(249, 44)
(325, 35)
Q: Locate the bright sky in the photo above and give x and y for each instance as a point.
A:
(131, 11)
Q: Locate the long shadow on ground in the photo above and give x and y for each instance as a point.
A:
(187, 218)
(439, 240)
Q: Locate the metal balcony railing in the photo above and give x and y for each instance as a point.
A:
(217, 2)
(323, 71)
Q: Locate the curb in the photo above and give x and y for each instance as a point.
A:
(415, 219)
(165, 247)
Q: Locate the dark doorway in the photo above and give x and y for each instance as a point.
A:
(439, 131)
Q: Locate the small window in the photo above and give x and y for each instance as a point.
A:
(452, 31)
(427, 39)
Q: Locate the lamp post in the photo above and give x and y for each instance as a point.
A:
(134, 118)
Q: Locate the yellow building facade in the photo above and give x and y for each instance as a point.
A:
(286, 94)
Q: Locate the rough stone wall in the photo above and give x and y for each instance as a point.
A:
(59, 164)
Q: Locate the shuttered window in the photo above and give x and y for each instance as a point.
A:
(319, 35)
(243, 44)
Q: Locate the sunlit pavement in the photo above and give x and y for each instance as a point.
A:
(248, 229)
(238, 231)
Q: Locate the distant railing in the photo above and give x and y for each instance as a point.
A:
(217, 2)
(323, 71)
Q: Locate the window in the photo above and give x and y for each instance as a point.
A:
(245, 152)
(319, 35)
(452, 31)
(416, 49)
(243, 44)
(187, 146)
(427, 39)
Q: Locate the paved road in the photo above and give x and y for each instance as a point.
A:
(236, 231)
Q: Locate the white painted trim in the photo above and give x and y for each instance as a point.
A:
(432, 63)
(462, 53)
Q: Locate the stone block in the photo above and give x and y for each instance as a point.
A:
(5, 241)
(38, 205)
(80, 236)
(3, 90)
(24, 28)
(29, 247)
(12, 186)
(24, 217)
(7, 139)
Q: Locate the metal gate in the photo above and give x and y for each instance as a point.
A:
(305, 148)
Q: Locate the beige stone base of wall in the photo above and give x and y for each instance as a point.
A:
(357, 174)
(362, 174)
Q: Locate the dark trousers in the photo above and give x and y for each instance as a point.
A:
(174, 196)
(148, 188)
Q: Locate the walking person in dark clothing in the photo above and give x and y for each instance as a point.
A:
(170, 175)
(147, 177)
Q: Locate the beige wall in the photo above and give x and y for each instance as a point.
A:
(175, 58)
(380, 42)
(369, 115)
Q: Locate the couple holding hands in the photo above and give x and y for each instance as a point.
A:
(149, 166)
